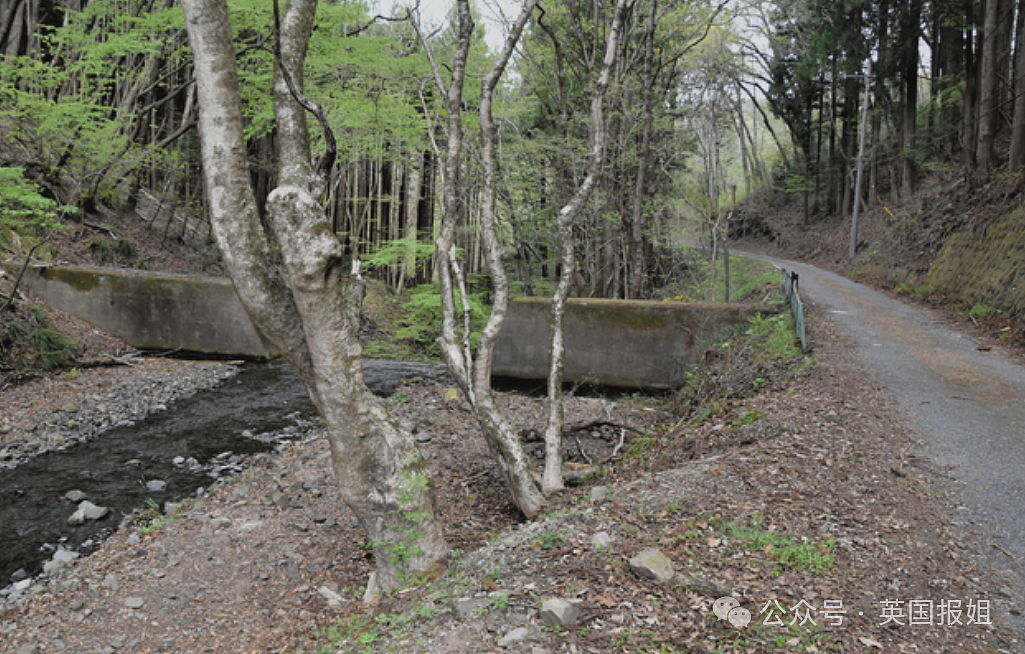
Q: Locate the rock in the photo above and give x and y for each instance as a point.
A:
(334, 600)
(28, 649)
(653, 564)
(422, 437)
(515, 636)
(278, 499)
(111, 582)
(601, 541)
(468, 608)
(600, 493)
(452, 400)
(156, 485)
(372, 595)
(558, 612)
(87, 511)
(75, 495)
(134, 602)
(19, 574)
(61, 558)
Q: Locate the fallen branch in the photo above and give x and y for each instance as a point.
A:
(591, 424)
(1004, 551)
(110, 362)
(24, 267)
(100, 228)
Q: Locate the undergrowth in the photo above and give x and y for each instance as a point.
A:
(28, 341)
(761, 352)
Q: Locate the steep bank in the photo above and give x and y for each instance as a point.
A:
(952, 247)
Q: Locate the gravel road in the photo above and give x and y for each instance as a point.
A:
(965, 402)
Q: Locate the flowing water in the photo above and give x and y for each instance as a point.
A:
(195, 440)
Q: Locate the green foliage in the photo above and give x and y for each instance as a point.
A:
(797, 554)
(638, 447)
(24, 213)
(407, 253)
(423, 324)
(100, 250)
(776, 334)
(51, 350)
(924, 290)
(749, 418)
(29, 341)
(981, 310)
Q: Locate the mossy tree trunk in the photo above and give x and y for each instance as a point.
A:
(308, 304)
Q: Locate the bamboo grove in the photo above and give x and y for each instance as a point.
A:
(710, 102)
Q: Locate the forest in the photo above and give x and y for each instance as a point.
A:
(601, 150)
(708, 104)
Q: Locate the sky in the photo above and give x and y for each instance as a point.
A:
(435, 13)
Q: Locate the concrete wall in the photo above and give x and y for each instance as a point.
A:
(151, 311)
(616, 342)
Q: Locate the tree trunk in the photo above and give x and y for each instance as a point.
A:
(1017, 158)
(310, 308)
(987, 90)
(635, 234)
(474, 375)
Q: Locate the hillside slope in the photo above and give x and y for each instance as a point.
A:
(950, 246)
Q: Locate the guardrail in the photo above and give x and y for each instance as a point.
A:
(796, 306)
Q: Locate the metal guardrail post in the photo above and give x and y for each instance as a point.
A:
(790, 284)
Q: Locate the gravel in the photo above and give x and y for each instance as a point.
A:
(61, 410)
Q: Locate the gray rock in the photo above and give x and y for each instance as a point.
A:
(28, 649)
(653, 564)
(600, 493)
(134, 602)
(75, 495)
(468, 608)
(87, 511)
(65, 556)
(334, 600)
(517, 635)
(134, 539)
(156, 485)
(111, 582)
(601, 541)
(372, 595)
(558, 612)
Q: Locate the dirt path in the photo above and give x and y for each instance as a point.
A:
(965, 401)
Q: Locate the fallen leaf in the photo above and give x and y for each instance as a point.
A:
(870, 642)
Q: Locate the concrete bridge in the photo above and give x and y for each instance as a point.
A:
(612, 342)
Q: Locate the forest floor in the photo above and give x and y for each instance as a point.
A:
(798, 486)
(788, 486)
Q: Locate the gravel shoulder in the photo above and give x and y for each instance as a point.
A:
(271, 561)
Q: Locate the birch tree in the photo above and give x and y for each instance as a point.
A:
(301, 293)
(472, 370)
(552, 478)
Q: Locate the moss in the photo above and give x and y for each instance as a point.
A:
(80, 280)
(985, 264)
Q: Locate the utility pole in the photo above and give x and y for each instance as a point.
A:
(861, 161)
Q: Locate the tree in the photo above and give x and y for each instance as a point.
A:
(308, 303)
(472, 370)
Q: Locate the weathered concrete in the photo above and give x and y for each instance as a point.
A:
(151, 311)
(616, 342)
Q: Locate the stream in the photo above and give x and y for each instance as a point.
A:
(197, 440)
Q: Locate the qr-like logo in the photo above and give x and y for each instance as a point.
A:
(727, 608)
